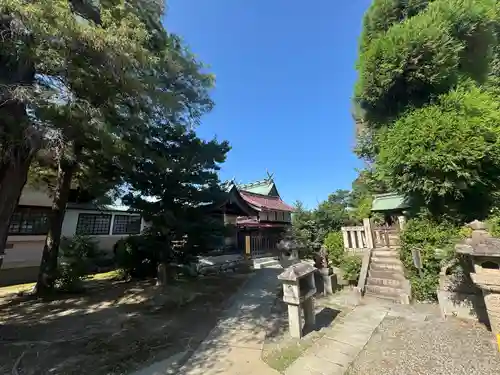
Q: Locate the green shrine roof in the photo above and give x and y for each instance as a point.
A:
(389, 202)
(263, 187)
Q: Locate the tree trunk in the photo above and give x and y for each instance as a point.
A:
(19, 141)
(47, 273)
(13, 176)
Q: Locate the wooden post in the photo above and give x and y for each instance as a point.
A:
(352, 238)
(247, 246)
(368, 233)
(401, 222)
(360, 239)
(345, 237)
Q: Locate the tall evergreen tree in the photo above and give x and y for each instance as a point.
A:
(426, 98)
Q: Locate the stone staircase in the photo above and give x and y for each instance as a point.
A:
(386, 276)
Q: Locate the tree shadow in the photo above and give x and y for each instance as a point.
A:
(323, 320)
(113, 328)
(238, 338)
(463, 293)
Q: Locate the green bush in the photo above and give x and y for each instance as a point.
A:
(76, 256)
(334, 244)
(436, 242)
(493, 223)
(351, 266)
(137, 256)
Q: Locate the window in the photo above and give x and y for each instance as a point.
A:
(30, 221)
(93, 224)
(127, 224)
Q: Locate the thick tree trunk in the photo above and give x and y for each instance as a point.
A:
(18, 140)
(47, 273)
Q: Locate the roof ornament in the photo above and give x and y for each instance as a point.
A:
(269, 175)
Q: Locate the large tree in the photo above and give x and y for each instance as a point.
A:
(67, 68)
(426, 100)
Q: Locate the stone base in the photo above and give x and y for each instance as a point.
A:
(467, 306)
(325, 281)
(492, 301)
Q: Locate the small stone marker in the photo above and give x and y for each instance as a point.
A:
(298, 291)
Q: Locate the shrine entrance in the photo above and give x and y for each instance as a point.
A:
(258, 243)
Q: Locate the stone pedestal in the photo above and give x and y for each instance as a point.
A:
(492, 301)
(295, 320)
(309, 315)
(485, 253)
(298, 291)
(328, 281)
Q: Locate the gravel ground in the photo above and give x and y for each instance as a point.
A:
(427, 345)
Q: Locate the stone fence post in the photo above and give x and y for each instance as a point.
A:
(367, 224)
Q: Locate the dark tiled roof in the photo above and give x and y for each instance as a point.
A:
(266, 202)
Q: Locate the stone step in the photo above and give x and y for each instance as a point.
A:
(386, 274)
(386, 260)
(375, 266)
(382, 253)
(268, 264)
(368, 295)
(386, 292)
(394, 283)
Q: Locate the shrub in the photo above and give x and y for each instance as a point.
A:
(334, 244)
(137, 256)
(436, 242)
(351, 266)
(493, 223)
(76, 256)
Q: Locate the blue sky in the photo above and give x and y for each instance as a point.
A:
(285, 72)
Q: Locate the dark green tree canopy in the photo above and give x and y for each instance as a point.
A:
(427, 96)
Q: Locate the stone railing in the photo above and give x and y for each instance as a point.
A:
(354, 238)
(363, 273)
(358, 238)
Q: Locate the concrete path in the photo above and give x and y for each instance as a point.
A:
(234, 346)
(341, 344)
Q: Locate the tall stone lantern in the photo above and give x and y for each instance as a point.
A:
(484, 251)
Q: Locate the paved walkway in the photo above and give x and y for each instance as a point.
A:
(341, 344)
(234, 346)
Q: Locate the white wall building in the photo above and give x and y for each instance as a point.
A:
(29, 226)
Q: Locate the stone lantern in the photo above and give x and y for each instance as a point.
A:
(484, 251)
(298, 291)
(289, 252)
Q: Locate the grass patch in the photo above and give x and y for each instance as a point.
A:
(281, 359)
(14, 289)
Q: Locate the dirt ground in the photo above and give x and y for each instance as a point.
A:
(114, 328)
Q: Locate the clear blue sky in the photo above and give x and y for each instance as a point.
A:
(285, 75)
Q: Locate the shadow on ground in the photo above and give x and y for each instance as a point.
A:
(114, 328)
(240, 333)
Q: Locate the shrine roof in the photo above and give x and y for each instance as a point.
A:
(266, 202)
(262, 187)
(389, 202)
